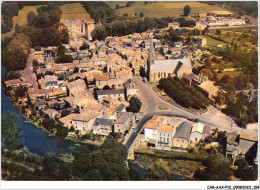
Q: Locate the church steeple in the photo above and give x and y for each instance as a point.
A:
(150, 60)
(151, 52)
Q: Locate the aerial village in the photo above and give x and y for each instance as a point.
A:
(91, 94)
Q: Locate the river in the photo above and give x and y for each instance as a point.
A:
(35, 139)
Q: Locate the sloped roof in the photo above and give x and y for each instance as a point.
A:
(165, 128)
(107, 92)
(183, 131)
(170, 64)
(248, 137)
(232, 138)
(102, 121)
(198, 127)
(124, 117)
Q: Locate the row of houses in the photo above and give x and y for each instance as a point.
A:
(162, 132)
(92, 118)
(165, 132)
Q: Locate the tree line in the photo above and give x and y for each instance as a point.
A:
(124, 26)
(182, 93)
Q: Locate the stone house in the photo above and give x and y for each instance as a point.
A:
(114, 94)
(181, 137)
(103, 126)
(124, 122)
(165, 135)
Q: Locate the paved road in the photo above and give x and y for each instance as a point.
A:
(151, 102)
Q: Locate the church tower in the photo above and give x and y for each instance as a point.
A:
(150, 60)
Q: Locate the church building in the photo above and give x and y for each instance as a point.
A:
(157, 69)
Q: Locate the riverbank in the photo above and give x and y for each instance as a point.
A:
(69, 137)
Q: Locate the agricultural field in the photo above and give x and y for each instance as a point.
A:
(21, 18)
(161, 8)
(74, 11)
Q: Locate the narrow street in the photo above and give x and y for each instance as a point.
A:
(27, 73)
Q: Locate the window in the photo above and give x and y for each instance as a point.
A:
(83, 127)
(168, 135)
(158, 75)
(195, 139)
(160, 138)
(167, 140)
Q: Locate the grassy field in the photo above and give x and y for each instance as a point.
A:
(21, 18)
(74, 11)
(212, 42)
(161, 8)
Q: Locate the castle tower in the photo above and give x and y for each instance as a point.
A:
(90, 26)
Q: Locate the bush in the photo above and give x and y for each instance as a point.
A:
(62, 131)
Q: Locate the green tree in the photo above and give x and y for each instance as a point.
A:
(187, 10)
(30, 18)
(218, 168)
(218, 32)
(17, 28)
(141, 14)
(84, 46)
(129, 3)
(244, 171)
(62, 131)
(65, 113)
(20, 92)
(160, 170)
(134, 105)
(99, 33)
(10, 135)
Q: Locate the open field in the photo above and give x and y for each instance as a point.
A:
(161, 8)
(21, 18)
(213, 43)
(74, 11)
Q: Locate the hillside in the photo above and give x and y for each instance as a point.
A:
(74, 11)
(161, 9)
